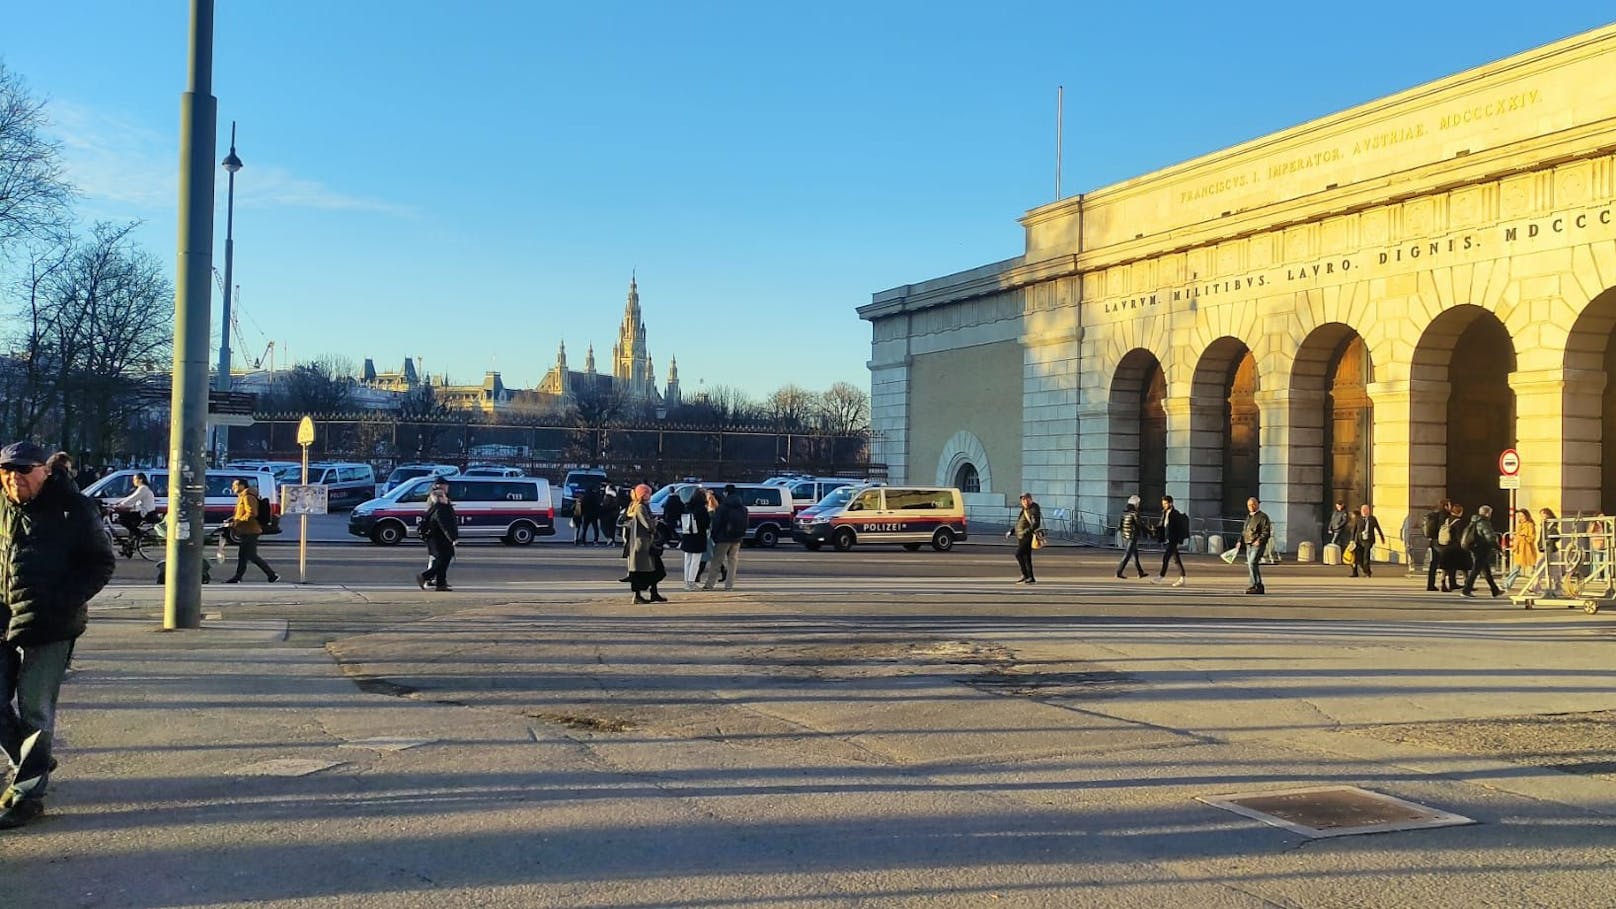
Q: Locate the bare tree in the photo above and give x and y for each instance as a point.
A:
(844, 409)
(33, 192)
(790, 407)
(324, 385)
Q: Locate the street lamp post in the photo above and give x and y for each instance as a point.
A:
(231, 164)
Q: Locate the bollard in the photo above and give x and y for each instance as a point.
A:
(1304, 551)
(1214, 544)
(1332, 554)
(1197, 542)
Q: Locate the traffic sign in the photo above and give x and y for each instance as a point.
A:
(1507, 481)
(1509, 463)
(305, 431)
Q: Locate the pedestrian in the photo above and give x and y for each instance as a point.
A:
(641, 546)
(1454, 557)
(1599, 531)
(1339, 527)
(1129, 527)
(60, 465)
(1431, 527)
(1523, 552)
(1481, 541)
(1172, 531)
(246, 528)
(609, 506)
(1028, 524)
(590, 513)
(1254, 539)
(692, 531)
(1364, 529)
(54, 556)
(1549, 537)
(713, 503)
(134, 509)
(578, 520)
(728, 530)
(440, 528)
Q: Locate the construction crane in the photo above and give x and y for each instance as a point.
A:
(235, 328)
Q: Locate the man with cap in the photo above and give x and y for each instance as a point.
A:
(54, 556)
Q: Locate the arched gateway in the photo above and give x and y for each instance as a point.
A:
(1366, 308)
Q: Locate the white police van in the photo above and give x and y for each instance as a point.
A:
(909, 515)
(513, 510)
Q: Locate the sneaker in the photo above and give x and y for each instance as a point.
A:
(20, 812)
(1466, 593)
(273, 578)
(232, 580)
(1179, 582)
(1158, 579)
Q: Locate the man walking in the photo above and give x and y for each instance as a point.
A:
(1431, 527)
(54, 556)
(1028, 523)
(246, 527)
(728, 530)
(1363, 540)
(1171, 531)
(1254, 538)
(1129, 528)
(1339, 522)
(1481, 541)
(590, 515)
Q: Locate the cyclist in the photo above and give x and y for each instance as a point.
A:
(134, 509)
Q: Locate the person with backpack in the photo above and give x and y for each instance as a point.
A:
(1481, 541)
(728, 530)
(1129, 528)
(1431, 527)
(1364, 530)
(247, 525)
(578, 520)
(1454, 558)
(1172, 531)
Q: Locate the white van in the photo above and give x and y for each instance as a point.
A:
(218, 504)
(347, 482)
(513, 510)
(910, 515)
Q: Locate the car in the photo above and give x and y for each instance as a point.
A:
(347, 483)
(768, 508)
(406, 472)
(513, 510)
(218, 503)
(577, 483)
(908, 515)
(492, 470)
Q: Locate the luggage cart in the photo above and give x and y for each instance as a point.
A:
(1579, 574)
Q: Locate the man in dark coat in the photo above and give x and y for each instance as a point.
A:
(1254, 537)
(1364, 530)
(728, 530)
(441, 531)
(54, 556)
(1480, 539)
(590, 515)
(1431, 528)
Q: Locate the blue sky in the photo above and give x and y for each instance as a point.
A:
(472, 182)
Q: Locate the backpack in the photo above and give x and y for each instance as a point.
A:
(1444, 537)
(1432, 527)
(1470, 538)
(264, 515)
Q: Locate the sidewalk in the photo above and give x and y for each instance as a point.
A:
(732, 751)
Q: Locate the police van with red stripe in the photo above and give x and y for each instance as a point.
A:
(512, 510)
(912, 516)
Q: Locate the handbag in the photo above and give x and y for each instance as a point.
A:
(1349, 556)
(1039, 539)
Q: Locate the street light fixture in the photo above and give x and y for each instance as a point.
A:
(231, 164)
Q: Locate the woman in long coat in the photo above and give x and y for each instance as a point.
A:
(441, 531)
(641, 546)
(1523, 549)
(692, 534)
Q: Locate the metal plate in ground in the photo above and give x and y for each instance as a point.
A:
(387, 743)
(1324, 811)
(285, 767)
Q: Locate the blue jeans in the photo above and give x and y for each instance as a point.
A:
(1254, 564)
(30, 680)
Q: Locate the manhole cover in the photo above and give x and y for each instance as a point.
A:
(1334, 811)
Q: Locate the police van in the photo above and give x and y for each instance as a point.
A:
(909, 515)
(768, 508)
(512, 510)
(218, 499)
(347, 482)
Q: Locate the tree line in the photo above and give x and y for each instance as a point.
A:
(88, 314)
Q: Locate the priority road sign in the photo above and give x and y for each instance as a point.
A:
(1509, 463)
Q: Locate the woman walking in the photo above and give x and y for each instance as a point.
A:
(1523, 551)
(441, 531)
(692, 532)
(641, 543)
(1129, 528)
(711, 498)
(1550, 546)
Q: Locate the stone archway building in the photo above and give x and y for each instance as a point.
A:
(1366, 307)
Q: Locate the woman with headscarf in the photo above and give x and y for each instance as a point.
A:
(641, 547)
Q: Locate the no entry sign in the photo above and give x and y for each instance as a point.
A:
(1509, 463)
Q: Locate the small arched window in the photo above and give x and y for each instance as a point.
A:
(967, 479)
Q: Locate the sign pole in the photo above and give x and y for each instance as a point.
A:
(305, 438)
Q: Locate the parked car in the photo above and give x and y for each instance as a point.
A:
(579, 482)
(218, 503)
(347, 483)
(513, 510)
(406, 472)
(908, 515)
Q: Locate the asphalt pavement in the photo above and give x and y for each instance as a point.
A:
(873, 728)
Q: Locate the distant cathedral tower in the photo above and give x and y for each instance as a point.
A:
(631, 361)
(589, 360)
(672, 398)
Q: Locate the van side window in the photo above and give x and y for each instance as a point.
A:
(515, 492)
(804, 492)
(461, 491)
(943, 499)
(416, 494)
(910, 499)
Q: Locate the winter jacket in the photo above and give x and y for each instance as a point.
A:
(1364, 531)
(730, 522)
(1257, 531)
(1337, 530)
(1174, 527)
(439, 527)
(639, 534)
(1523, 550)
(1129, 525)
(1482, 537)
(245, 521)
(54, 556)
(693, 527)
(1030, 521)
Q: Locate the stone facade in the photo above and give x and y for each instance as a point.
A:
(1366, 307)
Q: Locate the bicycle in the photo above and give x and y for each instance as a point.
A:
(144, 541)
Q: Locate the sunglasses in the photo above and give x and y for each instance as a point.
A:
(18, 468)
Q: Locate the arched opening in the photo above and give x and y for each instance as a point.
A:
(1589, 402)
(1224, 431)
(966, 478)
(1332, 427)
(1138, 428)
(1462, 410)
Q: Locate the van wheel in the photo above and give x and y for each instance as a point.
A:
(521, 534)
(942, 540)
(912, 547)
(768, 535)
(813, 545)
(843, 540)
(387, 533)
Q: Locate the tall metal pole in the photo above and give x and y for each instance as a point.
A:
(1060, 116)
(187, 439)
(221, 381)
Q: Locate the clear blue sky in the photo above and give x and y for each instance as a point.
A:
(471, 182)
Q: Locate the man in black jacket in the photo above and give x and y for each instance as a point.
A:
(54, 556)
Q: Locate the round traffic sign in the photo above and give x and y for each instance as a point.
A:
(1509, 463)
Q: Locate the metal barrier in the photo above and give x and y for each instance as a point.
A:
(1578, 572)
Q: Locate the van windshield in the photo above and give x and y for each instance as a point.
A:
(401, 474)
(836, 498)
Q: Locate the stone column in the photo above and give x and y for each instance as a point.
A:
(1558, 431)
(1292, 473)
(1204, 439)
(1096, 459)
(1391, 472)
(1049, 422)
